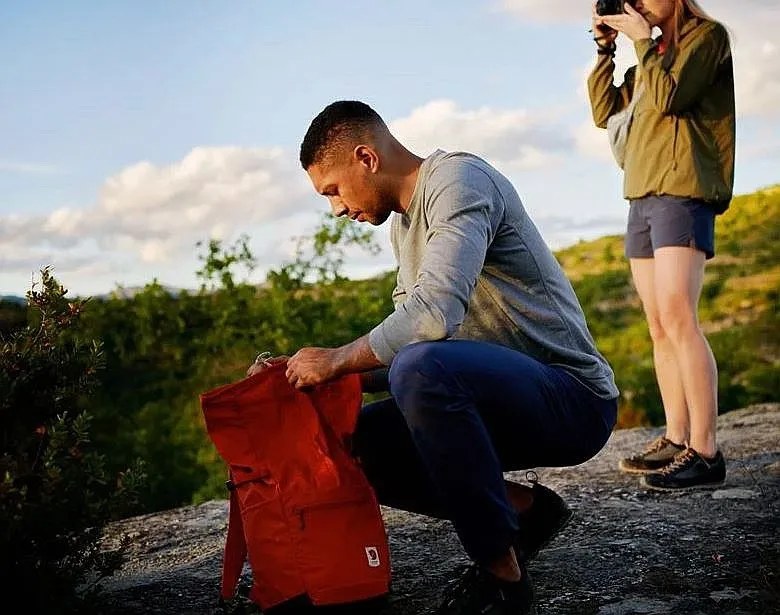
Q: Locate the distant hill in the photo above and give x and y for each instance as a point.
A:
(120, 292)
(13, 299)
(128, 292)
(13, 313)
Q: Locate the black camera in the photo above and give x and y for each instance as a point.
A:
(610, 7)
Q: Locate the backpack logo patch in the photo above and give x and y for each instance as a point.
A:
(372, 555)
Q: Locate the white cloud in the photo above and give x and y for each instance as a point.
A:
(212, 187)
(147, 217)
(592, 141)
(766, 147)
(512, 138)
(155, 214)
(562, 231)
(757, 78)
(545, 10)
(32, 259)
(754, 25)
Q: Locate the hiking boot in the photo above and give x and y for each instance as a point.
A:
(659, 453)
(547, 516)
(478, 592)
(689, 470)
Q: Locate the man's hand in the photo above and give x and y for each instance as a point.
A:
(312, 366)
(631, 23)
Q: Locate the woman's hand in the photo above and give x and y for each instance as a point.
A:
(631, 23)
(603, 35)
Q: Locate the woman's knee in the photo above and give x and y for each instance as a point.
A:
(655, 327)
(653, 318)
(677, 317)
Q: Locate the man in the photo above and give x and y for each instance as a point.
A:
(491, 364)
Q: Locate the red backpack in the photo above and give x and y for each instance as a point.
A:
(300, 506)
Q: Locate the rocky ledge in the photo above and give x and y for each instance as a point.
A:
(625, 551)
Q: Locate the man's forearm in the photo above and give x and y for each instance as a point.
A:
(357, 357)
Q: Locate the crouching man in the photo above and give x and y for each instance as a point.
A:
(491, 364)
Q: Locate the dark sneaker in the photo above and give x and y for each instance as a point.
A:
(478, 592)
(689, 470)
(659, 453)
(547, 516)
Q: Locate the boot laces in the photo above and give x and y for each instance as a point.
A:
(655, 446)
(682, 459)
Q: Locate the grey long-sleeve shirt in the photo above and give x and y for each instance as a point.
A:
(472, 265)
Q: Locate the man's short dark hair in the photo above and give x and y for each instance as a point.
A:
(336, 124)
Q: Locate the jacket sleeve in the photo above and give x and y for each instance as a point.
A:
(459, 232)
(675, 89)
(606, 98)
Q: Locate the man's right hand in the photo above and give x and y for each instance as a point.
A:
(602, 33)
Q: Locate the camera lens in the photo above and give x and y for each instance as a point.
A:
(609, 7)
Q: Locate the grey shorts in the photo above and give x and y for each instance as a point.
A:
(660, 221)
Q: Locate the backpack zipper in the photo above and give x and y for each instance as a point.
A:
(301, 510)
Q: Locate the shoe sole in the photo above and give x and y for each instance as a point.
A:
(702, 487)
(630, 470)
(556, 530)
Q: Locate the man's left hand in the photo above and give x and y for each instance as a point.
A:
(631, 23)
(312, 366)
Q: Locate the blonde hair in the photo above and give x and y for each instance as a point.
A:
(684, 9)
(693, 7)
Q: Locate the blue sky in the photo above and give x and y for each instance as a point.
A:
(132, 130)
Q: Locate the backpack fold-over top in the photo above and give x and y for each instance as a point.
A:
(300, 506)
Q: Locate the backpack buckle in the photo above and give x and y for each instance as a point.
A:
(263, 359)
(230, 485)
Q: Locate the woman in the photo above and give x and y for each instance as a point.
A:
(679, 174)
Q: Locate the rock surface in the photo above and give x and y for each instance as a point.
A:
(626, 550)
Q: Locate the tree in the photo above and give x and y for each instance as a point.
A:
(55, 495)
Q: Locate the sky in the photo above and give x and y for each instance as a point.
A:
(130, 131)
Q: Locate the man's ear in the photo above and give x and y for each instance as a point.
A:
(367, 157)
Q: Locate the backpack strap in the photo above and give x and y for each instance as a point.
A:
(235, 548)
(235, 544)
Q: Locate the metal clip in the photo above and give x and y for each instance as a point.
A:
(262, 359)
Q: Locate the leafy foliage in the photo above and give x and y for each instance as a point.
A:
(56, 494)
(162, 350)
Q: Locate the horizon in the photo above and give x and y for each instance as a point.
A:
(136, 131)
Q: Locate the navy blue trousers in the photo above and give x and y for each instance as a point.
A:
(460, 414)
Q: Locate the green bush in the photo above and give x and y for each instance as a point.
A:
(55, 494)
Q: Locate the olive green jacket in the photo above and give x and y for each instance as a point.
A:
(682, 139)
